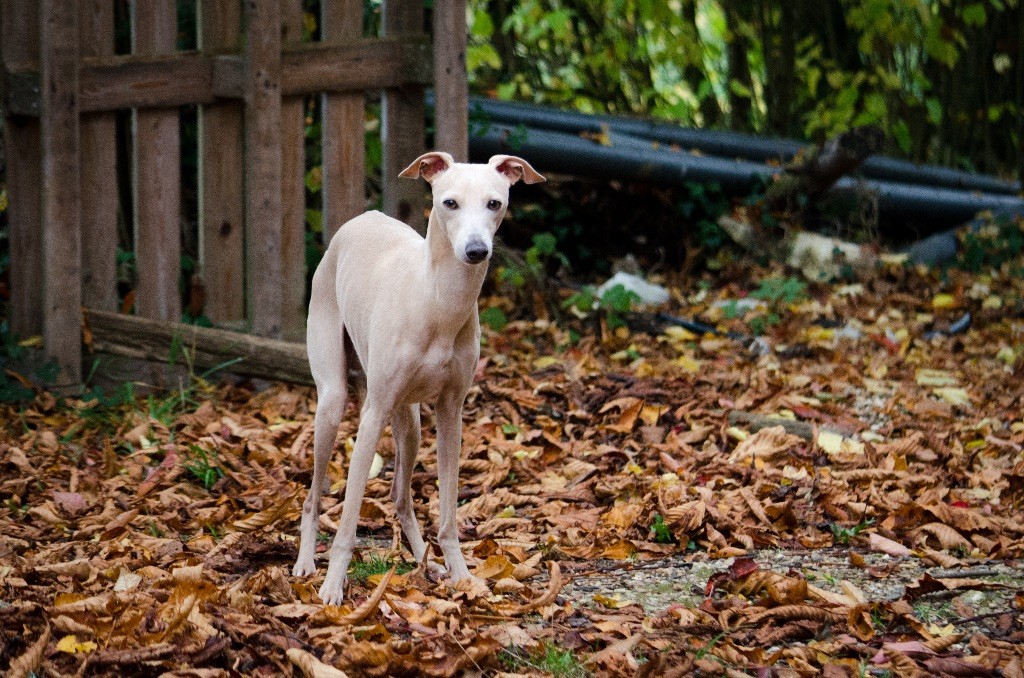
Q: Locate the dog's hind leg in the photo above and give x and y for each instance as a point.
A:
(327, 363)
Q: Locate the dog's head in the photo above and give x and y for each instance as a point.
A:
(470, 200)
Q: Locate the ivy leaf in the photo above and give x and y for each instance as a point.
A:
(482, 55)
(974, 14)
(483, 25)
(901, 133)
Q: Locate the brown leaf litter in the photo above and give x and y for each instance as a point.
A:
(156, 538)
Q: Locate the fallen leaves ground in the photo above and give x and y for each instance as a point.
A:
(156, 538)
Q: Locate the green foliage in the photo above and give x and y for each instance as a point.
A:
(842, 534)
(661, 531)
(532, 270)
(778, 294)
(759, 324)
(494, 318)
(921, 71)
(776, 291)
(547, 658)
(203, 466)
(614, 303)
(361, 570)
(991, 246)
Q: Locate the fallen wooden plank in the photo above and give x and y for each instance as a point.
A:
(204, 348)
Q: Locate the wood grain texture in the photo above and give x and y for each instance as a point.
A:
(221, 204)
(161, 80)
(368, 64)
(263, 166)
(293, 191)
(343, 136)
(99, 187)
(157, 176)
(403, 126)
(61, 198)
(451, 88)
(147, 339)
(19, 48)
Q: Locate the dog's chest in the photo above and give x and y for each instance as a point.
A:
(433, 370)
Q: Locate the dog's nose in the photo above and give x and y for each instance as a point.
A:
(476, 252)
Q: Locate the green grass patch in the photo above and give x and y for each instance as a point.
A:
(203, 466)
(361, 570)
(549, 658)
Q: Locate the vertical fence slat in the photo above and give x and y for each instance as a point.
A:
(344, 147)
(263, 165)
(99, 139)
(221, 207)
(451, 92)
(157, 175)
(293, 191)
(19, 43)
(61, 198)
(403, 125)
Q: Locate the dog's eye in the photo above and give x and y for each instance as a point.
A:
(451, 204)
(494, 204)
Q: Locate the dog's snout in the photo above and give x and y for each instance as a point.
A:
(477, 251)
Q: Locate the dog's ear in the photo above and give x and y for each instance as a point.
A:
(429, 165)
(515, 168)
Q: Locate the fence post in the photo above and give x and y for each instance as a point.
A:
(403, 124)
(99, 183)
(293, 190)
(344, 139)
(156, 175)
(451, 94)
(19, 44)
(61, 198)
(262, 88)
(221, 208)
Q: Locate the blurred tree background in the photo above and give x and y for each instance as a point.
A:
(943, 78)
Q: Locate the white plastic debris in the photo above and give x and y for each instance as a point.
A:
(649, 293)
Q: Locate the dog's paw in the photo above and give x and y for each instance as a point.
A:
(472, 583)
(303, 568)
(437, 568)
(333, 590)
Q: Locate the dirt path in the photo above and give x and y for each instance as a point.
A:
(656, 585)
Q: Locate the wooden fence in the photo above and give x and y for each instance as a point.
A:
(62, 86)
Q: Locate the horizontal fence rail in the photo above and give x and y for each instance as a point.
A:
(81, 120)
(153, 81)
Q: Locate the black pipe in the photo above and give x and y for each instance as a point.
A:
(572, 154)
(723, 143)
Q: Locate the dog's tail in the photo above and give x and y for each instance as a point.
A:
(325, 331)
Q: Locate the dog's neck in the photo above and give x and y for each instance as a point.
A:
(455, 285)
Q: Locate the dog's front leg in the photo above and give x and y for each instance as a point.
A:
(371, 423)
(449, 447)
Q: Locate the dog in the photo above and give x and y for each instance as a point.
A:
(408, 305)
